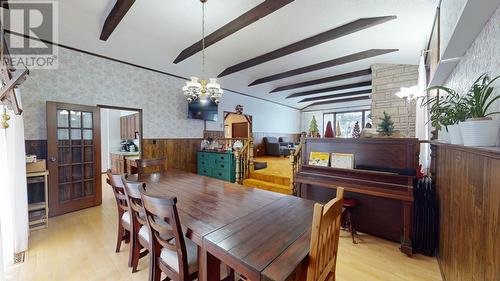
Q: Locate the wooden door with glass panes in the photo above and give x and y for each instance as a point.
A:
(74, 157)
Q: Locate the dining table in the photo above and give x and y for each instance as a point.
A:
(262, 235)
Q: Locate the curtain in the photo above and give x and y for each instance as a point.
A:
(422, 116)
(14, 228)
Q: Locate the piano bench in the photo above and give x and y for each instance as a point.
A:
(348, 204)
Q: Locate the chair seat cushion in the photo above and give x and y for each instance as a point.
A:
(349, 203)
(170, 257)
(126, 219)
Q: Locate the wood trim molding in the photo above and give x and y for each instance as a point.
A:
(117, 13)
(329, 35)
(334, 78)
(331, 89)
(325, 64)
(251, 16)
(342, 95)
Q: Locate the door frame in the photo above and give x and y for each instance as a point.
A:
(141, 138)
(248, 117)
(52, 151)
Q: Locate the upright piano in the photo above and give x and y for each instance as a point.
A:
(382, 181)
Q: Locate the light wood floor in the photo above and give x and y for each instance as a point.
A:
(80, 246)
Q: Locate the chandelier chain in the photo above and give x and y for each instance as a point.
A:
(203, 37)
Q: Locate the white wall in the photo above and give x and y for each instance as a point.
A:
(110, 134)
(90, 80)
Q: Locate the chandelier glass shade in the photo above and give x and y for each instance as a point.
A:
(200, 88)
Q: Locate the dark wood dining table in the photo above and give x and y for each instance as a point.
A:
(261, 234)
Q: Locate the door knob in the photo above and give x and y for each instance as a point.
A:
(52, 159)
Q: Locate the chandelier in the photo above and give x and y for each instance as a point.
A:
(201, 88)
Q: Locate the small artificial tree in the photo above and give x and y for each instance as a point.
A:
(386, 128)
(329, 130)
(313, 127)
(356, 131)
(338, 132)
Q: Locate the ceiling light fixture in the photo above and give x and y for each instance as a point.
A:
(201, 88)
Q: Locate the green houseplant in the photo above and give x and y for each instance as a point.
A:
(448, 112)
(471, 111)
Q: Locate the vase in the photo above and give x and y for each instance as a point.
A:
(480, 132)
(455, 134)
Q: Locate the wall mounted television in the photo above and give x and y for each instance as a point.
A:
(203, 110)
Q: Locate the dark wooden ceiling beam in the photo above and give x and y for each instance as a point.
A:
(322, 65)
(334, 78)
(338, 101)
(312, 41)
(342, 95)
(4, 4)
(331, 89)
(119, 10)
(265, 8)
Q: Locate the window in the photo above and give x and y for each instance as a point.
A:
(346, 121)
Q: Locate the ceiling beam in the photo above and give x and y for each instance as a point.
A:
(331, 89)
(326, 64)
(312, 41)
(119, 10)
(4, 4)
(342, 95)
(265, 8)
(334, 78)
(338, 101)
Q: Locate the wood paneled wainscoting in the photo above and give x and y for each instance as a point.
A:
(468, 187)
(180, 153)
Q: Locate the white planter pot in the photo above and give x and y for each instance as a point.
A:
(444, 136)
(455, 134)
(480, 132)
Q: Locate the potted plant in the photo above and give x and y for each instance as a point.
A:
(471, 112)
(480, 129)
(448, 112)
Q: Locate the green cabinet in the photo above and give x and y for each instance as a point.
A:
(217, 165)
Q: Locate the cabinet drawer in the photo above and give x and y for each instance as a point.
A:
(205, 171)
(202, 162)
(222, 165)
(222, 174)
(204, 156)
(221, 158)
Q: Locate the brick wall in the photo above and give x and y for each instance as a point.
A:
(387, 79)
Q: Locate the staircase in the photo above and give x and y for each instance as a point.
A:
(274, 183)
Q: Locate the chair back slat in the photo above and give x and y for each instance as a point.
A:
(155, 165)
(165, 209)
(135, 201)
(116, 184)
(325, 239)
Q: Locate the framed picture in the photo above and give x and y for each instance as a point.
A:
(319, 159)
(342, 161)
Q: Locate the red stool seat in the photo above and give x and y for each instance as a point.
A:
(349, 203)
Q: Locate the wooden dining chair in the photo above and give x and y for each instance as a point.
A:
(145, 166)
(325, 239)
(177, 257)
(124, 226)
(139, 244)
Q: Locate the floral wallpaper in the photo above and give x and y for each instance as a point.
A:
(482, 56)
(90, 80)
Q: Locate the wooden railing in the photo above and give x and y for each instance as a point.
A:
(296, 161)
(243, 156)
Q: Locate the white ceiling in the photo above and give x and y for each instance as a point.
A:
(154, 32)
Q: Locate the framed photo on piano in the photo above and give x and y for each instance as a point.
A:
(319, 158)
(342, 161)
